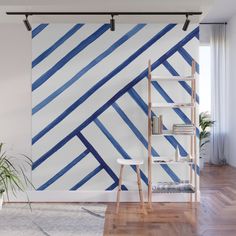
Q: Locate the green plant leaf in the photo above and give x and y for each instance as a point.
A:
(12, 176)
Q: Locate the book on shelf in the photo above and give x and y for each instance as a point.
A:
(183, 128)
(184, 104)
(157, 124)
(170, 159)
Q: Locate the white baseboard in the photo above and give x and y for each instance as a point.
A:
(97, 196)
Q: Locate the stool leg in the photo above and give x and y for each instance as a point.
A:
(119, 189)
(140, 188)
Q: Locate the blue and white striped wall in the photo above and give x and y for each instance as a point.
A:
(89, 101)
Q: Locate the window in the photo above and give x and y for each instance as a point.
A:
(205, 78)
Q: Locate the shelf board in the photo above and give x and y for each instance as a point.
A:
(173, 78)
(190, 189)
(170, 160)
(170, 133)
(171, 105)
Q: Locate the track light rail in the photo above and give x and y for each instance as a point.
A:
(112, 14)
(104, 13)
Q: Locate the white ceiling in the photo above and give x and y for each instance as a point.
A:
(220, 10)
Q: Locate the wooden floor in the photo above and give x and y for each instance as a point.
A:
(214, 216)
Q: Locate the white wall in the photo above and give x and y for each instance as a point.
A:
(15, 87)
(15, 97)
(231, 34)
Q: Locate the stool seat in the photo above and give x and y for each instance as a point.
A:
(129, 162)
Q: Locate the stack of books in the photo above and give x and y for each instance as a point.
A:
(183, 129)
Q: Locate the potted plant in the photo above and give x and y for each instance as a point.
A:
(12, 174)
(205, 124)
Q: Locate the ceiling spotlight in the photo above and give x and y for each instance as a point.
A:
(186, 23)
(112, 23)
(27, 24)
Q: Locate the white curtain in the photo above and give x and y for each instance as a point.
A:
(219, 102)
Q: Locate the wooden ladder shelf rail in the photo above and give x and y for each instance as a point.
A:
(193, 142)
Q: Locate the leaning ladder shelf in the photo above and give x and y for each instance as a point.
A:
(193, 144)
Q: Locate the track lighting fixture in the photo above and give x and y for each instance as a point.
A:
(27, 24)
(112, 14)
(186, 23)
(112, 23)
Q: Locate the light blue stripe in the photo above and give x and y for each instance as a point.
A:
(120, 93)
(102, 82)
(38, 29)
(59, 42)
(93, 63)
(63, 170)
(87, 178)
(43, 78)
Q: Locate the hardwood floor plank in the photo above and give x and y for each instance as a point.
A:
(215, 215)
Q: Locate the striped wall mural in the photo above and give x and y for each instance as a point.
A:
(89, 101)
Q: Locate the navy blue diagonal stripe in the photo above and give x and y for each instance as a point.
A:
(120, 93)
(43, 78)
(97, 156)
(87, 178)
(139, 101)
(133, 128)
(114, 185)
(178, 111)
(197, 36)
(59, 42)
(169, 100)
(38, 29)
(144, 107)
(184, 84)
(198, 168)
(99, 84)
(188, 58)
(93, 63)
(63, 170)
(136, 80)
(54, 149)
(118, 147)
(137, 133)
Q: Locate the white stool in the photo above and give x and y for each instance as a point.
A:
(129, 162)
